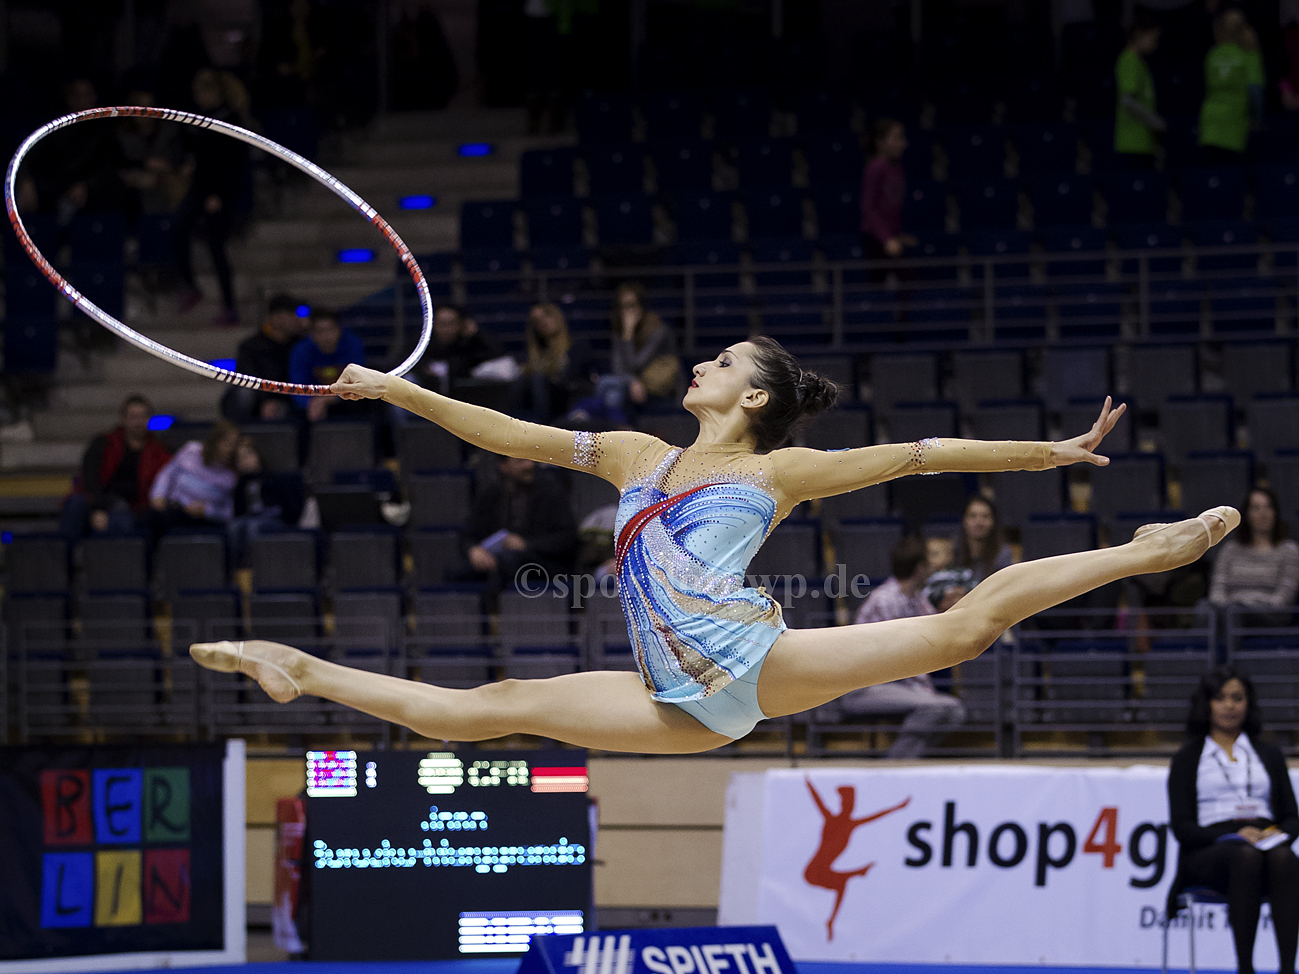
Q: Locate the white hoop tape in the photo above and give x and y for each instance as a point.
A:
(253, 139)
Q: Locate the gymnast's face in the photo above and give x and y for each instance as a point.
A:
(725, 382)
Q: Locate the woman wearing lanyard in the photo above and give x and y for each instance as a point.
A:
(1233, 812)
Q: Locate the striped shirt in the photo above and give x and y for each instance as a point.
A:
(1251, 576)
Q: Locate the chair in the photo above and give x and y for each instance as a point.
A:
(184, 562)
(999, 243)
(603, 118)
(1130, 482)
(114, 563)
(422, 446)
(1216, 193)
(1244, 304)
(546, 172)
(616, 168)
(1136, 197)
(554, 222)
(898, 378)
(1273, 423)
(788, 251)
(626, 219)
(939, 314)
(1023, 494)
(1062, 200)
(276, 444)
(1007, 419)
(439, 498)
(289, 617)
(1188, 900)
(97, 237)
(766, 163)
(792, 548)
(38, 563)
(683, 167)
(1188, 423)
(1156, 372)
(1241, 235)
(284, 560)
(839, 429)
(720, 252)
(868, 502)
(838, 210)
(991, 204)
(1175, 307)
(1150, 236)
(363, 559)
(977, 376)
(774, 213)
(704, 216)
(912, 421)
(487, 223)
(1074, 239)
(339, 445)
(823, 111)
(448, 644)
(1210, 479)
(213, 614)
(1075, 373)
(1257, 368)
(975, 151)
(741, 115)
(1047, 148)
(862, 546)
(504, 266)
(435, 556)
(535, 636)
(833, 157)
(367, 625)
(920, 500)
(1089, 310)
(1019, 311)
(672, 115)
(925, 208)
(1047, 535)
(1283, 475)
(590, 493)
(102, 283)
(1276, 190)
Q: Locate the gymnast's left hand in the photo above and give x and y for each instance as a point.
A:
(358, 382)
(1082, 448)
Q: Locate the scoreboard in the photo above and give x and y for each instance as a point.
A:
(415, 855)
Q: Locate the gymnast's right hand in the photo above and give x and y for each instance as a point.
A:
(358, 382)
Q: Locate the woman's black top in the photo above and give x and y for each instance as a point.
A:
(1184, 805)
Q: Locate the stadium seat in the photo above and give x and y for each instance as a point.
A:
(436, 556)
(114, 563)
(1227, 233)
(1089, 310)
(909, 422)
(449, 647)
(1156, 372)
(211, 614)
(535, 636)
(290, 617)
(1209, 479)
(189, 562)
(922, 500)
(1244, 304)
(1019, 311)
(439, 498)
(603, 118)
(339, 445)
(153, 235)
(842, 428)
(741, 115)
(554, 222)
(838, 211)
(720, 252)
(1175, 307)
(1129, 482)
(1136, 197)
(589, 493)
(774, 213)
(1188, 423)
(1273, 425)
(833, 157)
(367, 625)
(97, 238)
(935, 246)
(797, 320)
(276, 445)
(767, 163)
(671, 115)
(1007, 419)
(363, 559)
(793, 251)
(1076, 239)
(998, 243)
(1283, 475)
(1276, 191)
(284, 560)
(903, 378)
(487, 224)
(1062, 200)
(979, 375)
(862, 546)
(1046, 148)
(792, 548)
(1216, 193)
(1047, 535)
(426, 446)
(625, 219)
(102, 283)
(1078, 414)
(938, 314)
(704, 216)
(616, 168)
(925, 209)
(1021, 494)
(975, 152)
(683, 167)
(38, 563)
(1074, 373)
(823, 111)
(868, 502)
(1150, 237)
(987, 204)
(546, 172)
(1253, 368)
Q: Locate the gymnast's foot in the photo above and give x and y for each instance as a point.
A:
(277, 668)
(1184, 541)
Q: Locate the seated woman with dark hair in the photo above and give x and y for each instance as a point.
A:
(1259, 568)
(1233, 812)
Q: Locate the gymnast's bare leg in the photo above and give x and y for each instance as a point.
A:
(805, 668)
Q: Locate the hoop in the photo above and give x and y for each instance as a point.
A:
(266, 145)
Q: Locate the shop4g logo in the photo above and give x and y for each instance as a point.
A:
(1057, 845)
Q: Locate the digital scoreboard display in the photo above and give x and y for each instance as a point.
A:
(416, 855)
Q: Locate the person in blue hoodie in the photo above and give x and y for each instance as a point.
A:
(320, 358)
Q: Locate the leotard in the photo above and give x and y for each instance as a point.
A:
(689, 522)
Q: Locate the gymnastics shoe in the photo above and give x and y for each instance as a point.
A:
(266, 662)
(1218, 522)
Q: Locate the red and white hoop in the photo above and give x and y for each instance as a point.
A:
(253, 139)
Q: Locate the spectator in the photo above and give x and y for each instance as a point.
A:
(74, 169)
(979, 544)
(1258, 567)
(196, 489)
(883, 191)
(521, 519)
(319, 359)
(1232, 809)
(457, 347)
(117, 472)
(266, 355)
(644, 363)
(151, 156)
(926, 710)
(1233, 89)
(218, 164)
(559, 368)
(261, 502)
(1136, 123)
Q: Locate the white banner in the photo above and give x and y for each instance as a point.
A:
(990, 864)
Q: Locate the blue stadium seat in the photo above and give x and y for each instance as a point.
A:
(103, 283)
(941, 314)
(487, 223)
(1032, 98)
(798, 320)
(492, 262)
(925, 208)
(1226, 233)
(774, 213)
(704, 216)
(1175, 307)
(153, 235)
(975, 152)
(1047, 148)
(1140, 197)
(1020, 312)
(791, 251)
(546, 172)
(998, 243)
(1078, 239)
(683, 166)
(838, 211)
(1203, 422)
(554, 222)
(616, 168)
(823, 111)
(867, 313)
(97, 237)
(1283, 231)
(722, 253)
(1151, 236)
(720, 322)
(1157, 371)
(1089, 310)
(1244, 304)
(1064, 199)
(31, 344)
(918, 162)
(765, 163)
(1211, 193)
(604, 118)
(27, 292)
(672, 115)
(561, 259)
(1276, 190)
(625, 219)
(1275, 141)
(935, 245)
(833, 157)
(739, 115)
(987, 203)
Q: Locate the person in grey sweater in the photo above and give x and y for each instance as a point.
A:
(1259, 568)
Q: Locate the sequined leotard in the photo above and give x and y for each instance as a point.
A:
(688, 524)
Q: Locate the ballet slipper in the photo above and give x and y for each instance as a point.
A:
(1228, 518)
(254, 658)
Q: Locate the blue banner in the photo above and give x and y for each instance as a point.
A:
(681, 950)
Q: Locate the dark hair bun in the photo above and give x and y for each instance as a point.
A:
(816, 392)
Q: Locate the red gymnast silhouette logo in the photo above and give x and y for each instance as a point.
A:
(835, 834)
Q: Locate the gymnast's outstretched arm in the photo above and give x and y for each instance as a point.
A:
(805, 474)
(606, 455)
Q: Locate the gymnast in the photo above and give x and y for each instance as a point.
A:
(714, 655)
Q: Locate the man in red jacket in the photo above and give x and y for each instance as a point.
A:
(117, 471)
